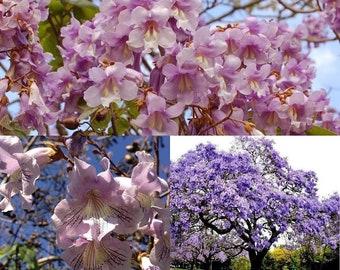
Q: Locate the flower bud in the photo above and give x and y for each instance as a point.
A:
(128, 158)
(43, 155)
(101, 114)
(75, 143)
(71, 122)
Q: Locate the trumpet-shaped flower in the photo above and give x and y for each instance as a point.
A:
(96, 250)
(157, 120)
(23, 169)
(145, 177)
(97, 197)
(110, 85)
(150, 29)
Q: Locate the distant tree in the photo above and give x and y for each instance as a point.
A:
(203, 246)
(250, 191)
(240, 263)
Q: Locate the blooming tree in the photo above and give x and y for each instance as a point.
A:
(250, 192)
(200, 245)
(104, 217)
(163, 67)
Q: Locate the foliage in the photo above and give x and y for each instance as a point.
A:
(240, 263)
(19, 256)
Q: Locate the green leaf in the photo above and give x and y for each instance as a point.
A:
(56, 7)
(10, 127)
(83, 13)
(60, 14)
(83, 9)
(122, 125)
(49, 42)
(87, 111)
(4, 252)
(27, 255)
(132, 108)
(316, 130)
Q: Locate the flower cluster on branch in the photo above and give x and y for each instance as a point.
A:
(97, 221)
(155, 67)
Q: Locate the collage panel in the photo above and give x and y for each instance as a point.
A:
(254, 203)
(84, 202)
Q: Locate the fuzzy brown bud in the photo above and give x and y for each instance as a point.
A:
(101, 114)
(71, 122)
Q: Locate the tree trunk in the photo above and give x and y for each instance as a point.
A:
(207, 265)
(256, 264)
(256, 259)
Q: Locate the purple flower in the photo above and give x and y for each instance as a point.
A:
(150, 30)
(186, 13)
(156, 119)
(98, 251)
(145, 177)
(184, 83)
(255, 80)
(75, 143)
(97, 197)
(110, 85)
(23, 169)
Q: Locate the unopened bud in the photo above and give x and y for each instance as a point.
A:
(44, 155)
(130, 148)
(71, 122)
(75, 143)
(128, 159)
(4, 100)
(101, 114)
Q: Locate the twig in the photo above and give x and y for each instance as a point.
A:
(113, 121)
(156, 153)
(47, 260)
(295, 10)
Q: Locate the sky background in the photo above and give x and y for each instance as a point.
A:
(317, 153)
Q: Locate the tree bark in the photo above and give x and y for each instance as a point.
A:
(256, 259)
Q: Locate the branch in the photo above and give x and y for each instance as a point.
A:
(3, 67)
(213, 227)
(156, 153)
(48, 259)
(236, 7)
(295, 10)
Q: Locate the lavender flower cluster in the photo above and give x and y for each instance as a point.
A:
(19, 42)
(182, 76)
(92, 224)
(100, 212)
